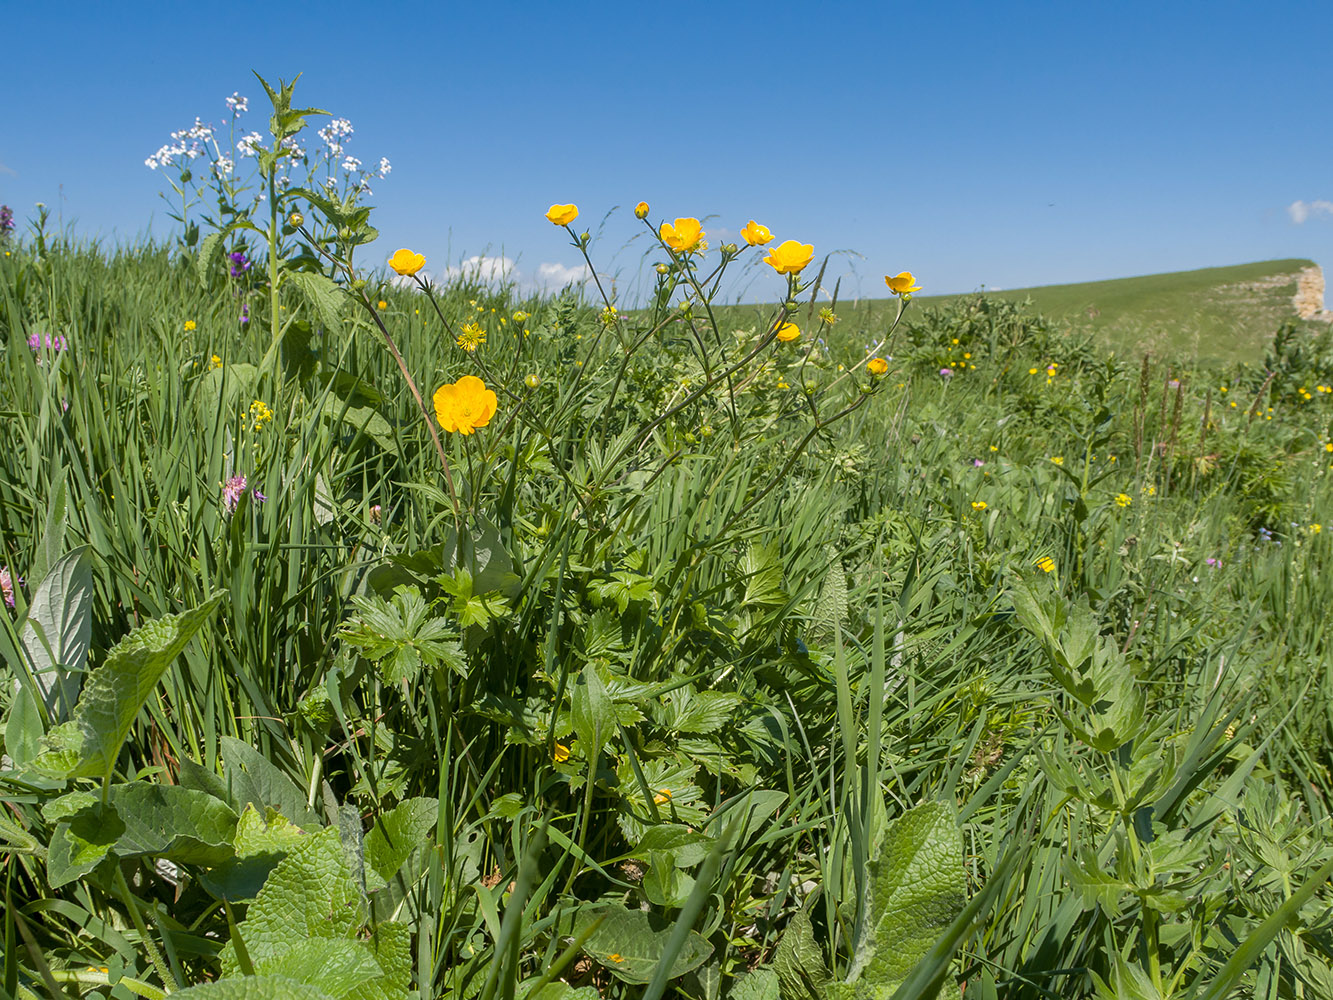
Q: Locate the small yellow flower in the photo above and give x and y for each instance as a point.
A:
(684, 236)
(755, 234)
(827, 316)
(260, 414)
(1033, 371)
(902, 284)
(470, 337)
(214, 362)
(783, 385)
(1316, 528)
(877, 366)
(1329, 446)
(407, 263)
(616, 957)
(788, 332)
(381, 305)
(562, 215)
(967, 357)
(560, 752)
(641, 210)
(978, 504)
(1046, 564)
(662, 796)
(189, 325)
(1123, 500)
(465, 405)
(1222, 388)
(995, 447)
(1150, 490)
(1058, 459)
(790, 257)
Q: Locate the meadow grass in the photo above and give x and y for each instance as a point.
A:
(693, 662)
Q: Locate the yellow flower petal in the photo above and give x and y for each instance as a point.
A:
(901, 284)
(562, 215)
(790, 257)
(756, 235)
(407, 263)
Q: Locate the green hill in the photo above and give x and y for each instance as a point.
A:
(1217, 313)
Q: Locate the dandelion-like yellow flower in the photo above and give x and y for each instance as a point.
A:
(641, 210)
(470, 337)
(381, 305)
(407, 263)
(902, 283)
(1123, 500)
(683, 236)
(465, 405)
(877, 367)
(1316, 529)
(562, 215)
(1046, 564)
(1329, 446)
(788, 332)
(978, 504)
(189, 325)
(755, 234)
(790, 257)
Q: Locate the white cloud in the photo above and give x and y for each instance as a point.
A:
(1302, 210)
(558, 275)
(481, 268)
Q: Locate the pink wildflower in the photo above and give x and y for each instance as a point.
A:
(7, 585)
(946, 373)
(232, 490)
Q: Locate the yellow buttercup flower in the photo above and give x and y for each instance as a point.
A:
(562, 215)
(877, 366)
(641, 210)
(1058, 459)
(465, 405)
(790, 257)
(902, 283)
(189, 325)
(560, 752)
(1046, 564)
(407, 263)
(381, 305)
(978, 504)
(682, 237)
(755, 234)
(788, 332)
(470, 337)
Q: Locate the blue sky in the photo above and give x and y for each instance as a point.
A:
(975, 144)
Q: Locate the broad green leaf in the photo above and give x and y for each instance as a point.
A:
(81, 843)
(52, 544)
(117, 689)
(556, 991)
(261, 842)
(761, 984)
(917, 886)
(366, 419)
(630, 943)
(398, 833)
(798, 962)
(220, 392)
(689, 711)
(335, 966)
(172, 822)
(684, 844)
(23, 730)
(323, 295)
(254, 988)
(252, 778)
(592, 712)
(210, 254)
(675, 798)
(310, 894)
(58, 631)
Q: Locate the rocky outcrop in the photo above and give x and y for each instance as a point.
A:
(1309, 297)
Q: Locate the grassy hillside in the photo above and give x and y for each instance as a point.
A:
(1213, 314)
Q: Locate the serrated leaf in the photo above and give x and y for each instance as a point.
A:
(700, 712)
(799, 964)
(81, 843)
(172, 822)
(252, 778)
(917, 886)
(58, 631)
(210, 254)
(310, 894)
(761, 568)
(761, 984)
(400, 635)
(632, 943)
(323, 295)
(254, 988)
(261, 842)
(117, 689)
(398, 833)
(336, 967)
(675, 796)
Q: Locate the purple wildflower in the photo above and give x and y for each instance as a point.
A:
(259, 497)
(1213, 561)
(245, 313)
(946, 373)
(232, 491)
(6, 221)
(239, 263)
(977, 463)
(39, 340)
(7, 585)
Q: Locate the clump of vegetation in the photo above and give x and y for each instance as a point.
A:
(374, 637)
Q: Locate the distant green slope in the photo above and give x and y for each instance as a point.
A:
(1217, 313)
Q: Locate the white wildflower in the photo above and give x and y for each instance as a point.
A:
(238, 104)
(351, 164)
(250, 145)
(384, 166)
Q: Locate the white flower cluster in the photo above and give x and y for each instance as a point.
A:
(166, 156)
(384, 166)
(351, 163)
(198, 132)
(237, 104)
(250, 145)
(223, 166)
(334, 133)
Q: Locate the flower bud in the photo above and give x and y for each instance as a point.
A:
(662, 269)
(533, 381)
(296, 218)
(641, 210)
(729, 248)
